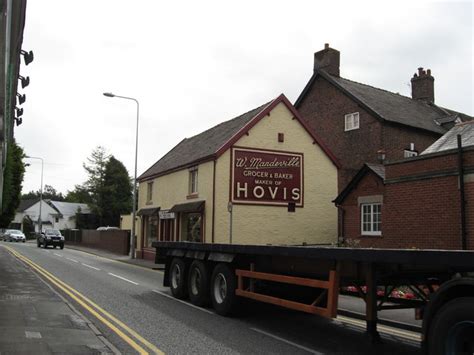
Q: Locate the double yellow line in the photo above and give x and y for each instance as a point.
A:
(102, 315)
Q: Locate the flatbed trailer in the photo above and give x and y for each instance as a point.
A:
(311, 278)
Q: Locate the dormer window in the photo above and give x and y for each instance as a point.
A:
(411, 152)
(351, 121)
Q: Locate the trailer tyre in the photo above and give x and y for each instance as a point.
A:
(198, 283)
(178, 278)
(452, 329)
(223, 286)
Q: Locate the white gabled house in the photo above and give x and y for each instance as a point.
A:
(54, 214)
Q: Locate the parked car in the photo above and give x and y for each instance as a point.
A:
(14, 235)
(3, 233)
(108, 228)
(50, 237)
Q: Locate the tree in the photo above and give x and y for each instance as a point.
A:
(12, 183)
(95, 168)
(117, 198)
(80, 194)
(49, 193)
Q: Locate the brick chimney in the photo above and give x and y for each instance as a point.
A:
(328, 60)
(422, 86)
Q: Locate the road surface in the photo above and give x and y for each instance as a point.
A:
(136, 314)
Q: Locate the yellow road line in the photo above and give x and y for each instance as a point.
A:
(69, 290)
(382, 328)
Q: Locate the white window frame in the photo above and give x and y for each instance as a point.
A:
(409, 153)
(351, 121)
(149, 192)
(370, 222)
(193, 181)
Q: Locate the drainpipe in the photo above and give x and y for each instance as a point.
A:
(462, 196)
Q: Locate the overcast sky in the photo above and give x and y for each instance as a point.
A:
(195, 64)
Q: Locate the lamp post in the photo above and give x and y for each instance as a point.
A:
(40, 222)
(134, 209)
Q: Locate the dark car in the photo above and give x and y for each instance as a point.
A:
(50, 237)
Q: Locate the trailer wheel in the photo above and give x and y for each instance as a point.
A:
(452, 329)
(223, 285)
(178, 278)
(198, 283)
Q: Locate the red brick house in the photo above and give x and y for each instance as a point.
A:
(361, 124)
(415, 202)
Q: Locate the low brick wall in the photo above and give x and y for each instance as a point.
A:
(115, 241)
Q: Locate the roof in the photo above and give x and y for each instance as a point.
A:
(69, 208)
(377, 169)
(389, 106)
(450, 141)
(213, 142)
(25, 204)
(202, 145)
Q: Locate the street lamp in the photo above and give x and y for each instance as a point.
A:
(134, 209)
(40, 222)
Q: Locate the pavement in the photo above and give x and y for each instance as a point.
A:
(35, 319)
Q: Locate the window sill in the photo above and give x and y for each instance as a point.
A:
(371, 235)
(149, 203)
(191, 196)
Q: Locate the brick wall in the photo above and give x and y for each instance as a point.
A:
(419, 210)
(370, 185)
(396, 139)
(324, 108)
(116, 241)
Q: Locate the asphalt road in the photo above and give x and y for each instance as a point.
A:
(135, 296)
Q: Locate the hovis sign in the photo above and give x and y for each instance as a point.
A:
(263, 177)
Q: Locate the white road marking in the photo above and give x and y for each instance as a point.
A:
(92, 267)
(123, 278)
(72, 260)
(383, 329)
(183, 302)
(311, 351)
(58, 255)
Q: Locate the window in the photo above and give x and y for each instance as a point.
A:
(371, 219)
(409, 154)
(193, 181)
(149, 192)
(351, 121)
(191, 227)
(151, 230)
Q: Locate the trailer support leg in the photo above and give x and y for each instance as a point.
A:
(371, 305)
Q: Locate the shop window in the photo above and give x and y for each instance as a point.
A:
(191, 227)
(151, 230)
(149, 192)
(193, 181)
(371, 219)
(351, 121)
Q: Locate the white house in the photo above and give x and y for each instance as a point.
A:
(54, 214)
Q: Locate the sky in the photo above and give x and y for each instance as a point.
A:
(194, 64)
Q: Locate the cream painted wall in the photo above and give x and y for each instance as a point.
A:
(315, 223)
(172, 189)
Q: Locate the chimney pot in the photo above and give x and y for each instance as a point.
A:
(429, 72)
(326, 45)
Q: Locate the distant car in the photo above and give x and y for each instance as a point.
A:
(108, 228)
(3, 234)
(50, 237)
(14, 235)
